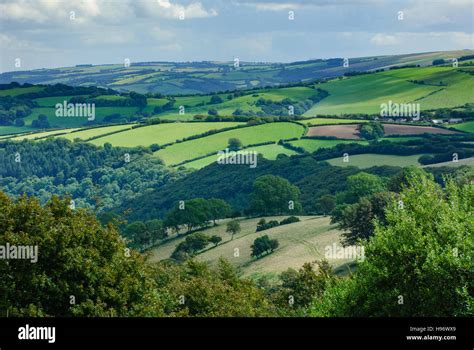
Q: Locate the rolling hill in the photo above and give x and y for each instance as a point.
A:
(175, 78)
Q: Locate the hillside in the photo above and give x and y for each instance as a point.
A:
(300, 242)
(173, 78)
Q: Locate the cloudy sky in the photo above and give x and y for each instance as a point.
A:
(57, 33)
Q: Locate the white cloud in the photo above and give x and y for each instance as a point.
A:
(384, 39)
(42, 11)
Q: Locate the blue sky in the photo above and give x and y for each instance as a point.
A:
(56, 33)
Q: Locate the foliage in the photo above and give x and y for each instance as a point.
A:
(418, 264)
(233, 227)
(263, 245)
(77, 257)
(274, 195)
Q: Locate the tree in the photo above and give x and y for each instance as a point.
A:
(419, 264)
(361, 185)
(357, 220)
(325, 204)
(234, 144)
(77, 257)
(215, 240)
(438, 61)
(212, 111)
(371, 130)
(233, 227)
(215, 99)
(409, 174)
(274, 195)
(304, 285)
(218, 209)
(263, 245)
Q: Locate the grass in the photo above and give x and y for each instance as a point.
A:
(181, 152)
(42, 134)
(401, 139)
(20, 91)
(369, 160)
(311, 145)
(93, 132)
(467, 126)
(326, 121)
(460, 162)
(160, 134)
(11, 130)
(52, 101)
(72, 122)
(267, 151)
(300, 242)
(364, 94)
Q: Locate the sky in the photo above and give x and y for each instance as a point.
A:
(60, 33)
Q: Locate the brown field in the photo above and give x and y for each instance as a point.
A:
(397, 129)
(342, 131)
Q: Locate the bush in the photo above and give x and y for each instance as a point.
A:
(289, 220)
(263, 245)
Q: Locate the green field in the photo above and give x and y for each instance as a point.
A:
(20, 91)
(299, 243)
(267, 151)
(51, 101)
(39, 135)
(160, 133)
(181, 152)
(443, 87)
(369, 160)
(71, 122)
(12, 130)
(311, 145)
(93, 132)
(401, 138)
(468, 126)
(329, 121)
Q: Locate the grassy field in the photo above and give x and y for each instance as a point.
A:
(93, 132)
(181, 152)
(39, 135)
(443, 87)
(12, 130)
(460, 162)
(20, 90)
(71, 122)
(160, 133)
(301, 242)
(369, 160)
(325, 121)
(267, 151)
(311, 145)
(468, 126)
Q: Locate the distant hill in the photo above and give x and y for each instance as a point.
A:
(173, 78)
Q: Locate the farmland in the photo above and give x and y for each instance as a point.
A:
(441, 87)
(188, 150)
(299, 242)
(311, 145)
(369, 160)
(205, 77)
(270, 152)
(160, 134)
(342, 131)
(467, 127)
(398, 129)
